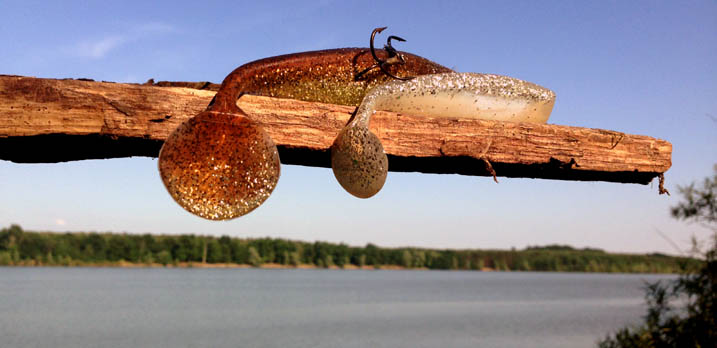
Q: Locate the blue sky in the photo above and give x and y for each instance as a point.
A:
(640, 67)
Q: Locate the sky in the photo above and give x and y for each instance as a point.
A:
(639, 67)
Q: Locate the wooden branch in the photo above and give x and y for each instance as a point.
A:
(47, 120)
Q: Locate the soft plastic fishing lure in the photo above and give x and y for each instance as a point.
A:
(221, 165)
(357, 156)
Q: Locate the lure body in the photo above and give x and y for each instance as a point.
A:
(327, 76)
(461, 95)
(357, 157)
(220, 164)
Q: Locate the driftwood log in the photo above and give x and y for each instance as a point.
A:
(48, 120)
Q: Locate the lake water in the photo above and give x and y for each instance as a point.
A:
(115, 307)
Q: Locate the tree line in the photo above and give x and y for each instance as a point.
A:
(18, 247)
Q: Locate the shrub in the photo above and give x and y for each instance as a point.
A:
(694, 323)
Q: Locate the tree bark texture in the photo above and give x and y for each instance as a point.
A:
(49, 120)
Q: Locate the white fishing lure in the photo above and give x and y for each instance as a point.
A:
(357, 156)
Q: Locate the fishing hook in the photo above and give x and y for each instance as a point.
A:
(393, 56)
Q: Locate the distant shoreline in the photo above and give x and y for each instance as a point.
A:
(348, 267)
(125, 264)
(190, 265)
(28, 248)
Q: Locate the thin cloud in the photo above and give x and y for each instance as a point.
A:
(60, 222)
(100, 48)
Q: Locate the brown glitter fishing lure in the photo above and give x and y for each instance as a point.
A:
(221, 164)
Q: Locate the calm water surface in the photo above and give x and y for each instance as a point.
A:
(114, 307)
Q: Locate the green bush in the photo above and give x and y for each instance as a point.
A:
(164, 257)
(5, 258)
(694, 322)
(254, 257)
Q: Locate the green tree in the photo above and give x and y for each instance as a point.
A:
(361, 260)
(240, 252)
(164, 257)
(218, 251)
(341, 255)
(373, 256)
(5, 258)
(419, 258)
(694, 322)
(525, 265)
(294, 258)
(328, 261)
(10, 237)
(480, 264)
(254, 257)
(407, 259)
(700, 204)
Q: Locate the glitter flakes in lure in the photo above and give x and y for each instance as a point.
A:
(464, 95)
(359, 163)
(357, 157)
(221, 164)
